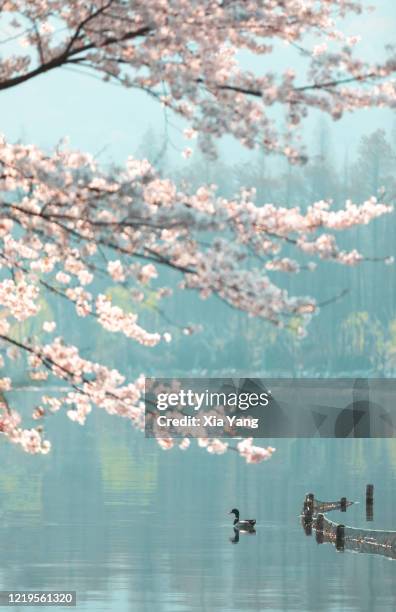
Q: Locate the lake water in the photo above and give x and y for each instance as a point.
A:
(130, 527)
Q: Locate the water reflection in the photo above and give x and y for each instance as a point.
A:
(133, 528)
(235, 538)
(369, 511)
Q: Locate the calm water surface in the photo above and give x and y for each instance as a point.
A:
(133, 528)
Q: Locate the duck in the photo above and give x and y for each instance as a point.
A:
(242, 525)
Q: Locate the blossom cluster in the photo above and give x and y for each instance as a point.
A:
(215, 446)
(58, 210)
(61, 215)
(190, 55)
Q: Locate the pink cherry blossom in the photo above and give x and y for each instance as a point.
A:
(216, 446)
(67, 224)
(5, 384)
(184, 444)
(254, 454)
(165, 443)
(49, 326)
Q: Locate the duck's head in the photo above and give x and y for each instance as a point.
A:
(235, 511)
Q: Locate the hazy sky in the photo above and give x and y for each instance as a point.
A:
(95, 115)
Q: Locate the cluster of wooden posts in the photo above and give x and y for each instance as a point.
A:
(344, 537)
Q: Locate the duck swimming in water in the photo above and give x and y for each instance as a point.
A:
(244, 525)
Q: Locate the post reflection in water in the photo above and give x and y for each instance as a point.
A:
(369, 511)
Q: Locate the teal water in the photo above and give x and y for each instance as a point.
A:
(130, 527)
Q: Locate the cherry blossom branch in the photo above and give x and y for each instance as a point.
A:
(101, 37)
(65, 222)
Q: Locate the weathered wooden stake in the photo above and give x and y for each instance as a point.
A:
(343, 503)
(369, 502)
(309, 504)
(308, 527)
(319, 522)
(370, 493)
(340, 537)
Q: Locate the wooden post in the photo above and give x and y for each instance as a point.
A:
(307, 527)
(370, 493)
(340, 537)
(319, 528)
(319, 522)
(309, 504)
(343, 503)
(369, 502)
